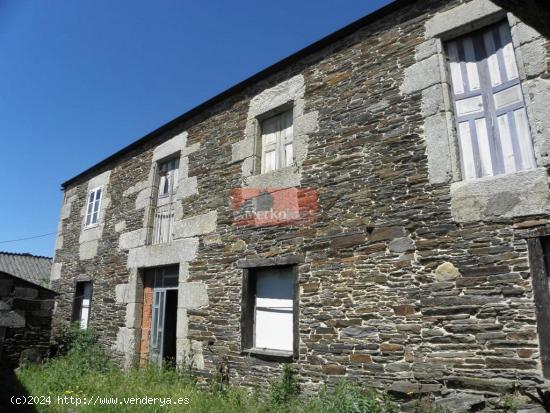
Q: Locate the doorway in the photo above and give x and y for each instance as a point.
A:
(164, 315)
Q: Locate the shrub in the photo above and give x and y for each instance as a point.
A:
(349, 397)
(287, 389)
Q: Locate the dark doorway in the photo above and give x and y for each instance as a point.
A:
(170, 317)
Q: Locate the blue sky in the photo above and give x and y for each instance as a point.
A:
(82, 79)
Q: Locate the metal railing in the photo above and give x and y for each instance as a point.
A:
(163, 223)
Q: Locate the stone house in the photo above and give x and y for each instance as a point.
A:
(374, 207)
(26, 305)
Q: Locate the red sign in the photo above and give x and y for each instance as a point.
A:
(274, 206)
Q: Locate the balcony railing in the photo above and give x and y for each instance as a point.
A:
(163, 223)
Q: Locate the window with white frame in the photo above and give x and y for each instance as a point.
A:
(276, 142)
(493, 129)
(93, 207)
(168, 177)
(82, 303)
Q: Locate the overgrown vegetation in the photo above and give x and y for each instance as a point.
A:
(82, 370)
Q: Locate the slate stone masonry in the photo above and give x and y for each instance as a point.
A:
(395, 291)
(25, 318)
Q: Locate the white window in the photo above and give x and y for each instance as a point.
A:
(273, 311)
(493, 130)
(168, 174)
(277, 151)
(94, 206)
(82, 303)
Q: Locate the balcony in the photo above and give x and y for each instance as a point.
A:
(163, 223)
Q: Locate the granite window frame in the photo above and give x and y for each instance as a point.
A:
(519, 194)
(539, 263)
(270, 99)
(248, 295)
(486, 92)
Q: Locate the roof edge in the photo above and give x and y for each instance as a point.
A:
(281, 64)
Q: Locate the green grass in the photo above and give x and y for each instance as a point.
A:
(87, 375)
(83, 371)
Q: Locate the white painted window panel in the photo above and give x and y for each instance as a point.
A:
(508, 97)
(524, 139)
(282, 303)
(93, 207)
(469, 106)
(510, 64)
(269, 162)
(484, 147)
(467, 150)
(274, 330)
(85, 313)
(274, 316)
(492, 59)
(471, 65)
(277, 139)
(85, 305)
(506, 144)
(456, 73)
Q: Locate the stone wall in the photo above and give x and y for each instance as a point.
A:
(395, 290)
(25, 318)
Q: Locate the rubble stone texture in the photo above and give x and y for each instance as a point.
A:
(395, 291)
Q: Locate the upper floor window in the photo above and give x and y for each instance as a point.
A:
(277, 151)
(168, 173)
(163, 212)
(94, 206)
(493, 130)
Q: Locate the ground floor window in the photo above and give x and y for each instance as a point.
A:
(539, 261)
(82, 303)
(269, 316)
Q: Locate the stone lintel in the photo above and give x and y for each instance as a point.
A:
(270, 262)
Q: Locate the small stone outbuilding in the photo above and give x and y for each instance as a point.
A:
(26, 305)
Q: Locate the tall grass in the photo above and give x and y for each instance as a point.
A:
(81, 369)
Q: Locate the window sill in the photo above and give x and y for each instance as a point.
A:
(269, 354)
(275, 171)
(518, 194)
(286, 177)
(90, 226)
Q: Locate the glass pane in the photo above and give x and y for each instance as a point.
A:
(288, 155)
(269, 161)
(161, 310)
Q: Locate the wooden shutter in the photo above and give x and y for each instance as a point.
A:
(277, 142)
(287, 152)
(274, 314)
(270, 134)
(493, 130)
